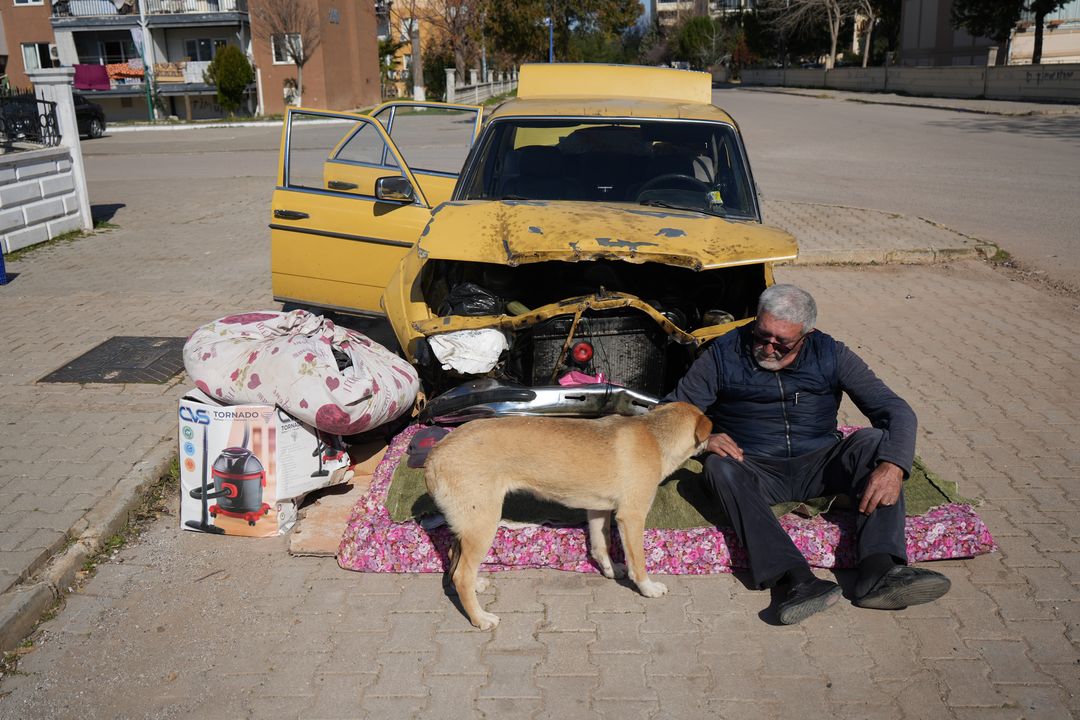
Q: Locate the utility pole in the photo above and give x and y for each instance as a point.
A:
(551, 33)
(146, 50)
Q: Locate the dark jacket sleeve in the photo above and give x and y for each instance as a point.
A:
(701, 384)
(885, 409)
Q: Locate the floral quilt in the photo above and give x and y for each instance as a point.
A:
(372, 542)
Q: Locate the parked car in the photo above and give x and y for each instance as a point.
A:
(573, 260)
(89, 116)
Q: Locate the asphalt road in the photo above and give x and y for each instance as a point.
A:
(1014, 181)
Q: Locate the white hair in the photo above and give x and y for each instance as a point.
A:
(790, 304)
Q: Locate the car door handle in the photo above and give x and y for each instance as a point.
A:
(290, 215)
(340, 185)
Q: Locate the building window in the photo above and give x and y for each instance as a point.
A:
(29, 2)
(283, 46)
(203, 49)
(117, 51)
(36, 56)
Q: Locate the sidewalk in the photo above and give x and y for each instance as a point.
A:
(986, 107)
(185, 624)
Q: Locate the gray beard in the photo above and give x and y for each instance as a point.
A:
(766, 361)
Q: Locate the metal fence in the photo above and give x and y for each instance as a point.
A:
(27, 122)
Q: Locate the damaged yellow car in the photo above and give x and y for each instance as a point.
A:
(568, 254)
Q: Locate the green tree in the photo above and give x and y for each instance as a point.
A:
(704, 42)
(520, 28)
(1041, 8)
(231, 73)
(994, 19)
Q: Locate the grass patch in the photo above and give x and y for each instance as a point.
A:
(1001, 257)
(154, 504)
(67, 238)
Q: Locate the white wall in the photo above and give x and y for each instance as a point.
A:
(38, 199)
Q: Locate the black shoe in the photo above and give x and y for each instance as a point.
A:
(902, 586)
(806, 598)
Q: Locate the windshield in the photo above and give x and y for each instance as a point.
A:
(677, 164)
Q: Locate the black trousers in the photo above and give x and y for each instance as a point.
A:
(746, 489)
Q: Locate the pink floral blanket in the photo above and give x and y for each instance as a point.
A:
(372, 542)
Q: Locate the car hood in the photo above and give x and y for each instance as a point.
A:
(515, 232)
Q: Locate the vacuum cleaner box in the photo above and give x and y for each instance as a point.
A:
(245, 468)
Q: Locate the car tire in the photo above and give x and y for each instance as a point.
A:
(96, 129)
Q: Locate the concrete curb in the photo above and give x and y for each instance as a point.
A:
(21, 608)
(872, 99)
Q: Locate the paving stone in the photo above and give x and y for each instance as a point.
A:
(938, 638)
(728, 709)
(516, 632)
(1038, 702)
(672, 655)
(337, 695)
(1047, 643)
(567, 613)
(459, 653)
(513, 707)
(510, 676)
(1020, 552)
(967, 683)
(622, 677)
(566, 696)
(452, 696)
(1008, 661)
(568, 655)
(393, 706)
(409, 632)
(618, 709)
(516, 594)
(617, 633)
(355, 651)
(398, 673)
(1049, 583)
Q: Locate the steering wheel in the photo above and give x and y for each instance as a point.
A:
(670, 178)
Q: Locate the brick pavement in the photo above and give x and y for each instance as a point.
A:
(159, 633)
(181, 624)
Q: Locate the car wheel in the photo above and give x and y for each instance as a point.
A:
(97, 128)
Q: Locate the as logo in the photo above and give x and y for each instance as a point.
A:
(199, 417)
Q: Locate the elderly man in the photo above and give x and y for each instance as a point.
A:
(773, 390)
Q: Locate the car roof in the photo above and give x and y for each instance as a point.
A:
(596, 90)
(608, 107)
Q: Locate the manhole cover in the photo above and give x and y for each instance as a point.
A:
(125, 360)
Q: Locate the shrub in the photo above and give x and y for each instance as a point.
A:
(231, 73)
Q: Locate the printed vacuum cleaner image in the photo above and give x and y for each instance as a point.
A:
(239, 479)
(245, 468)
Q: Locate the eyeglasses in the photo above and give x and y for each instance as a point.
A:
(781, 349)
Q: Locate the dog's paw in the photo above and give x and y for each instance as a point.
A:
(651, 588)
(482, 584)
(617, 570)
(486, 620)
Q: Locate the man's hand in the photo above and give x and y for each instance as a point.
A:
(724, 446)
(883, 487)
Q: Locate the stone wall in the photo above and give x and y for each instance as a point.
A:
(38, 197)
(1046, 83)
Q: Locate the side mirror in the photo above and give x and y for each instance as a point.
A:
(395, 189)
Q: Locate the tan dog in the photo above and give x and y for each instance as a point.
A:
(611, 464)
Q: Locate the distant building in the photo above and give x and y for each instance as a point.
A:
(671, 12)
(927, 37)
(103, 40)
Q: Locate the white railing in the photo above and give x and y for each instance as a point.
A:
(477, 92)
(91, 8)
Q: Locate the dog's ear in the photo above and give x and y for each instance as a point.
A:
(703, 429)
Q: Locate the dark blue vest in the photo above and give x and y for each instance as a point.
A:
(783, 413)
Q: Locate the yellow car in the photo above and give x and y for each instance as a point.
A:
(568, 254)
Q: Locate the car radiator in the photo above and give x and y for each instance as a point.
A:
(630, 350)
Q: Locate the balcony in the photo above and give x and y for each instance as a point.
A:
(102, 8)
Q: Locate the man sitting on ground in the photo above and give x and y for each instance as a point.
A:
(773, 390)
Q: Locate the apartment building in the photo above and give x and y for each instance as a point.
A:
(112, 43)
(672, 12)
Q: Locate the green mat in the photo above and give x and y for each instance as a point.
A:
(681, 500)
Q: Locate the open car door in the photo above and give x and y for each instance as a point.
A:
(347, 205)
